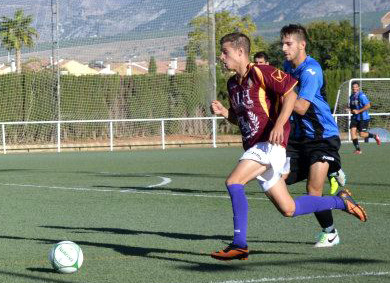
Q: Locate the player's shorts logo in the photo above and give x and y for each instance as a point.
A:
(279, 75)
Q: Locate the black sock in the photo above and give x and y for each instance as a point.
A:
(371, 136)
(325, 218)
(356, 144)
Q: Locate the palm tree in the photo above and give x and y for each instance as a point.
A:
(16, 33)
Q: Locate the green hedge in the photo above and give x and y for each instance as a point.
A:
(32, 97)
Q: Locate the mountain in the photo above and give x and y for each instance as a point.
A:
(102, 18)
(121, 30)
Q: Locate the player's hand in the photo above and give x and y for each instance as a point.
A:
(217, 108)
(355, 111)
(277, 135)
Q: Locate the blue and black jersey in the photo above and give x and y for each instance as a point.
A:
(318, 122)
(356, 102)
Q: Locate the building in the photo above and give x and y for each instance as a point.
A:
(384, 31)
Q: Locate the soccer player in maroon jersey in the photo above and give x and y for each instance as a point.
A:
(255, 93)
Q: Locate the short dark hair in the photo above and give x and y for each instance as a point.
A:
(298, 30)
(356, 83)
(238, 40)
(261, 54)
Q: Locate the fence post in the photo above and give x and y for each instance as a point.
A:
(58, 136)
(111, 137)
(3, 135)
(214, 120)
(163, 134)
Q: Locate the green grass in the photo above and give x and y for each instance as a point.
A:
(166, 233)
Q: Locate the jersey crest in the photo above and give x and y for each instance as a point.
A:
(311, 71)
(278, 75)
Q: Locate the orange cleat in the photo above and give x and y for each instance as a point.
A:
(357, 152)
(351, 206)
(231, 252)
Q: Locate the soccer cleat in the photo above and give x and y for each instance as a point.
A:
(341, 178)
(357, 152)
(231, 252)
(377, 139)
(327, 240)
(334, 185)
(351, 206)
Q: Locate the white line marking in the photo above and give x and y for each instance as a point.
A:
(284, 279)
(165, 180)
(134, 191)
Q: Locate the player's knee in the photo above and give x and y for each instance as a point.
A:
(288, 212)
(233, 180)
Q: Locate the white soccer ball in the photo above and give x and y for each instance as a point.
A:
(66, 257)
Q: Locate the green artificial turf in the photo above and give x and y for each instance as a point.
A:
(155, 216)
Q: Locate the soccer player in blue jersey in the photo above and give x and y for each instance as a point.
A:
(359, 105)
(314, 140)
(255, 93)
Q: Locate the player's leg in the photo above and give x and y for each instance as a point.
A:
(307, 204)
(354, 135)
(324, 158)
(317, 175)
(245, 171)
(364, 133)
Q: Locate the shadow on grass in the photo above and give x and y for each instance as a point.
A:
(150, 253)
(43, 270)
(289, 263)
(172, 235)
(181, 256)
(31, 278)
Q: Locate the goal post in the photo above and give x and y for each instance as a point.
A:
(378, 92)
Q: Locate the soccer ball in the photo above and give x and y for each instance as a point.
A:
(66, 257)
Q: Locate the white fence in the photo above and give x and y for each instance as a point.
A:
(111, 123)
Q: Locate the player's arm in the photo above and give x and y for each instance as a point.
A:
(218, 109)
(365, 108)
(301, 105)
(309, 85)
(277, 133)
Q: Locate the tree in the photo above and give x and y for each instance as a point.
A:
(224, 23)
(152, 69)
(16, 33)
(191, 62)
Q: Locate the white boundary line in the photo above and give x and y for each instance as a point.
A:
(135, 191)
(314, 277)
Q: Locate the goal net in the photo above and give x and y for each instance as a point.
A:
(106, 60)
(378, 92)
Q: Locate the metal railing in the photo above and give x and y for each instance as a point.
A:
(111, 128)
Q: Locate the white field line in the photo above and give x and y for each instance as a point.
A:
(135, 191)
(299, 278)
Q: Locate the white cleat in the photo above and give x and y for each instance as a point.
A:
(327, 240)
(340, 177)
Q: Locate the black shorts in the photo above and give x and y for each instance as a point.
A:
(360, 125)
(305, 153)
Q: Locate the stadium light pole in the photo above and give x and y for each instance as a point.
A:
(360, 38)
(211, 44)
(355, 37)
(56, 71)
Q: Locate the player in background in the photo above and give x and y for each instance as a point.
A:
(314, 140)
(261, 58)
(254, 97)
(359, 105)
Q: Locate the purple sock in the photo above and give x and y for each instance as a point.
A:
(308, 204)
(240, 213)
